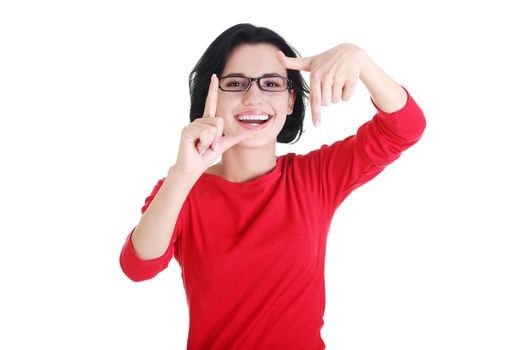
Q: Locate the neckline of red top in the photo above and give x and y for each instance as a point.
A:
(263, 179)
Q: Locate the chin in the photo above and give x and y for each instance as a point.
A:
(258, 142)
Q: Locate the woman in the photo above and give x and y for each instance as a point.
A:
(250, 231)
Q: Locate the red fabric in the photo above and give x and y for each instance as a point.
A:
(252, 254)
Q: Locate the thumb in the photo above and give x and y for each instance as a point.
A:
(227, 141)
(293, 62)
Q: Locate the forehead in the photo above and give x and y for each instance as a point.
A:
(254, 60)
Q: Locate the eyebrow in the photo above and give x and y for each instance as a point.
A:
(244, 75)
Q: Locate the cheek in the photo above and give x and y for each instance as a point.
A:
(281, 107)
(223, 109)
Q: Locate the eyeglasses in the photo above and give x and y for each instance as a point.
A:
(274, 83)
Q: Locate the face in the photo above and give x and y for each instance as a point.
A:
(254, 60)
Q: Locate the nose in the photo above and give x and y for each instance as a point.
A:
(253, 94)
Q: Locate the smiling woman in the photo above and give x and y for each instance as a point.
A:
(253, 271)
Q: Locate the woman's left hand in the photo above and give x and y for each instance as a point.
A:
(333, 74)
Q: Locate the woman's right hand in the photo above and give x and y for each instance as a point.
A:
(202, 140)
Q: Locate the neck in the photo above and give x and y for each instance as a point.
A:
(241, 164)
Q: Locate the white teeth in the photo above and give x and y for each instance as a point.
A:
(253, 117)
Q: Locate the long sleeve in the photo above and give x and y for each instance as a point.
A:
(333, 172)
(136, 268)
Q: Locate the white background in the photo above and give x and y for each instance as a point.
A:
(94, 95)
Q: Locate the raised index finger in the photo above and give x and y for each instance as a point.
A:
(211, 100)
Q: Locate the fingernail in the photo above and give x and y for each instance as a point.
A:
(215, 145)
(202, 152)
(318, 123)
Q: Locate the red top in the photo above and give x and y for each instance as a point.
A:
(252, 254)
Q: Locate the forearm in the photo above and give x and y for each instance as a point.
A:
(388, 95)
(152, 236)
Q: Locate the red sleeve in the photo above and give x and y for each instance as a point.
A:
(334, 171)
(136, 268)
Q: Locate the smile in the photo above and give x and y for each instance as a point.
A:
(254, 122)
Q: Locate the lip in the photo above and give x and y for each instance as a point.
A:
(253, 127)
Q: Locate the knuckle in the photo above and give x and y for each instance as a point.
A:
(188, 128)
(218, 129)
(205, 131)
(353, 79)
(203, 122)
(338, 80)
(209, 133)
(315, 76)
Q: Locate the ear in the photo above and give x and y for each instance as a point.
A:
(291, 100)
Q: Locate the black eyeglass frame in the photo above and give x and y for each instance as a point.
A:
(288, 82)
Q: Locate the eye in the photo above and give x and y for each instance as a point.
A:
(233, 83)
(272, 83)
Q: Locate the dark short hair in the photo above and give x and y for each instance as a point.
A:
(214, 60)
